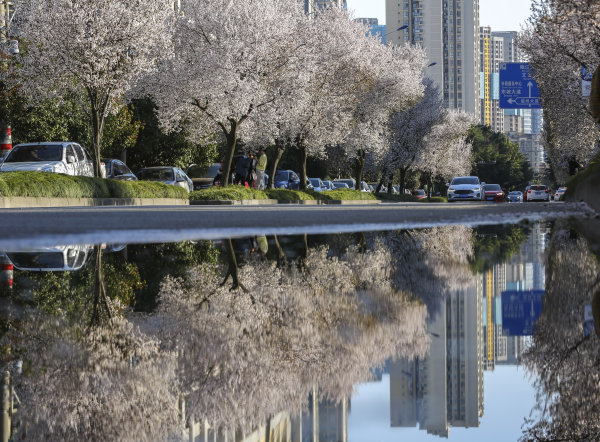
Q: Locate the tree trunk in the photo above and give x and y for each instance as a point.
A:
(402, 180)
(380, 185)
(280, 149)
(98, 102)
(390, 182)
(302, 155)
(231, 138)
(359, 167)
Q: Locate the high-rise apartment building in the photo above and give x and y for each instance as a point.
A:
(375, 29)
(491, 55)
(310, 6)
(448, 30)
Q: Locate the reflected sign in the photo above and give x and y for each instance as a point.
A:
(520, 311)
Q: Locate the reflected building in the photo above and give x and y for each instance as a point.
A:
(445, 389)
(325, 421)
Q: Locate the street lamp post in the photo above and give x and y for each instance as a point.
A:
(5, 129)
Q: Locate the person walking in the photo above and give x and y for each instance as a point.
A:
(241, 169)
(260, 169)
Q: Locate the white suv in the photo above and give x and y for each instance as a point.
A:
(467, 188)
(59, 157)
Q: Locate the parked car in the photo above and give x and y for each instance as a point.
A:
(493, 192)
(117, 170)
(559, 194)
(364, 187)
(167, 175)
(465, 188)
(327, 185)
(286, 179)
(340, 186)
(538, 192)
(204, 177)
(349, 181)
(420, 194)
(317, 184)
(59, 157)
(515, 197)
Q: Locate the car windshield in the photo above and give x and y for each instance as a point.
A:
(465, 180)
(515, 192)
(315, 182)
(492, 187)
(420, 192)
(39, 260)
(42, 152)
(343, 185)
(281, 176)
(204, 172)
(538, 187)
(156, 174)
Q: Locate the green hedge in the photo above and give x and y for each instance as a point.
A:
(57, 185)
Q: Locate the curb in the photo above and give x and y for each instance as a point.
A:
(26, 202)
(273, 202)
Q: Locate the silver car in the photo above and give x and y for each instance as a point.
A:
(59, 157)
(167, 175)
(465, 188)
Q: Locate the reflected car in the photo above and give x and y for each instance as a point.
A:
(538, 192)
(204, 177)
(117, 170)
(167, 175)
(514, 197)
(420, 194)
(286, 179)
(58, 157)
(317, 184)
(559, 194)
(51, 259)
(465, 188)
(337, 185)
(493, 192)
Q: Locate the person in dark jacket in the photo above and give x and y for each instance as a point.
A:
(241, 169)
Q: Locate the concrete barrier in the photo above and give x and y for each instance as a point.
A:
(24, 202)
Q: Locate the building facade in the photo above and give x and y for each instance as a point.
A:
(311, 6)
(448, 30)
(375, 29)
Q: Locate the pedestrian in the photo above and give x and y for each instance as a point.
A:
(251, 178)
(241, 169)
(260, 169)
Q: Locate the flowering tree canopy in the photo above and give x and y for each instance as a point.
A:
(96, 49)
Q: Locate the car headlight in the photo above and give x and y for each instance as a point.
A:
(477, 190)
(450, 189)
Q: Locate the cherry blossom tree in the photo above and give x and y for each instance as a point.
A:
(231, 63)
(96, 49)
(562, 37)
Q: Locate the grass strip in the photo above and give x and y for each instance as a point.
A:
(57, 185)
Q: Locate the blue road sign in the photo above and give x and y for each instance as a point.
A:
(520, 311)
(586, 75)
(518, 90)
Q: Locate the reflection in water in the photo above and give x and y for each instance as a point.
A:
(230, 339)
(564, 355)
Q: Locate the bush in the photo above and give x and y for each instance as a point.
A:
(57, 185)
(229, 193)
(347, 194)
(291, 195)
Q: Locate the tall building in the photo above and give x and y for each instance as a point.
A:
(375, 29)
(444, 389)
(448, 30)
(491, 55)
(310, 6)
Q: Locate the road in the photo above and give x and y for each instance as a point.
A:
(59, 226)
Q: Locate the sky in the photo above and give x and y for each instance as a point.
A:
(505, 15)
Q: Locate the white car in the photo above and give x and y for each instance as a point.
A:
(465, 188)
(51, 259)
(538, 192)
(59, 157)
(167, 175)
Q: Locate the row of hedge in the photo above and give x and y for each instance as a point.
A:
(55, 185)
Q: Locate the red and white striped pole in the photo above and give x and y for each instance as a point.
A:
(5, 141)
(6, 273)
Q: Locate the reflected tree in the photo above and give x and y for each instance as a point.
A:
(563, 357)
